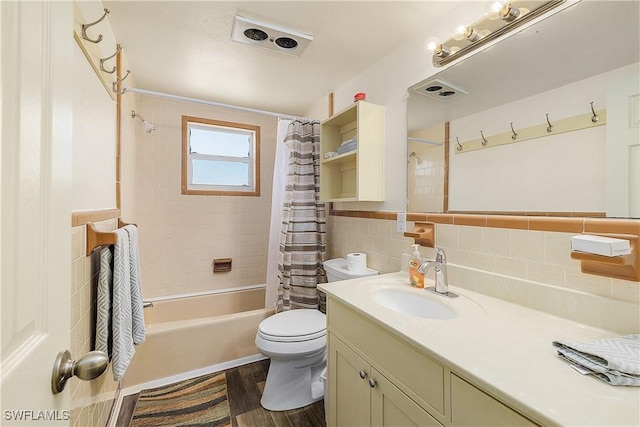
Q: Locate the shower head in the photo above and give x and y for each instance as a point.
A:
(148, 127)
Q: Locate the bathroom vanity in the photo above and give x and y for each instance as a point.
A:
(492, 363)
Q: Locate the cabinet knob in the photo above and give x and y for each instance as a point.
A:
(363, 374)
(372, 382)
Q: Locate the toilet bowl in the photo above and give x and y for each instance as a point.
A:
(296, 343)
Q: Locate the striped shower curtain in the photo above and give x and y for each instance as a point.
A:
(303, 233)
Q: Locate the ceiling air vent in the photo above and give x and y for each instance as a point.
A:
(269, 36)
(439, 89)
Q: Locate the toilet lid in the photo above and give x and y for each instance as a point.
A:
(294, 325)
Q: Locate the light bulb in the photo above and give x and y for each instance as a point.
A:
(459, 33)
(431, 43)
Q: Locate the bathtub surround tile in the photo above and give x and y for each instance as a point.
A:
(221, 226)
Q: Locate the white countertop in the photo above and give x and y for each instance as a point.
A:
(505, 349)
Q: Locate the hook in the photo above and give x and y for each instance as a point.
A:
(459, 147)
(595, 117)
(484, 140)
(515, 135)
(103, 60)
(115, 84)
(85, 26)
(550, 127)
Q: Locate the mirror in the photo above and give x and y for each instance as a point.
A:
(553, 70)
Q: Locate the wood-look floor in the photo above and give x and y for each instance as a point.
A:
(244, 389)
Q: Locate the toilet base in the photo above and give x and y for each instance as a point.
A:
(289, 387)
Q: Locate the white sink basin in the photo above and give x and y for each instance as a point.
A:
(412, 302)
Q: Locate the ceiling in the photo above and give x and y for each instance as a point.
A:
(184, 47)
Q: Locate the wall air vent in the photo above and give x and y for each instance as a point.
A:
(269, 36)
(439, 89)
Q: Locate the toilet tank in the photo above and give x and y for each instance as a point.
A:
(337, 270)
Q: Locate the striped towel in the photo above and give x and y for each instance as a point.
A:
(121, 309)
(615, 361)
(137, 314)
(103, 309)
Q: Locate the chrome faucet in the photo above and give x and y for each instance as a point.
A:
(440, 266)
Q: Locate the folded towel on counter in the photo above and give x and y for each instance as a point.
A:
(137, 315)
(613, 360)
(103, 309)
(122, 351)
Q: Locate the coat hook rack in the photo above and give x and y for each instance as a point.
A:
(515, 135)
(103, 60)
(85, 26)
(594, 117)
(541, 130)
(117, 82)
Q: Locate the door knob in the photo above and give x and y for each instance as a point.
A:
(372, 382)
(88, 367)
(363, 374)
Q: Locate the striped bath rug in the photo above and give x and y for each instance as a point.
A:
(200, 401)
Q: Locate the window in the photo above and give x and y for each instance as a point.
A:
(220, 158)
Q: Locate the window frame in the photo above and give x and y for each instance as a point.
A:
(209, 190)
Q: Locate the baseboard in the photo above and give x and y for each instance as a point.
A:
(175, 378)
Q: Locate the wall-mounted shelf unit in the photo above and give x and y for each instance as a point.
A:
(356, 175)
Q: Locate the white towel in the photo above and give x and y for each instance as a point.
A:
(613, 360)
(103, 309)
(123, 350)
(137, 311)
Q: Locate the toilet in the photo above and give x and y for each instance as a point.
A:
(296, 343)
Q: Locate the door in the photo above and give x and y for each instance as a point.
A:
(35, 218)
(390, 407)
(623, 148)
(349, 402)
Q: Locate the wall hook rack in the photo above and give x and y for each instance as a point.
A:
(515, 135)
(484, 140)
(85, 26)
(458, 146)
(103, 60)
(117, 82)
(550, 126)
(594, 117)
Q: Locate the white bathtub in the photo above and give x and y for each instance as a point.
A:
(191, 333)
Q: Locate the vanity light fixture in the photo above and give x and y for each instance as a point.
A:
(504, 17)
(148, 127)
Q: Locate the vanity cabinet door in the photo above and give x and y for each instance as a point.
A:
(390, 407)
(471, 406)
(349, 392)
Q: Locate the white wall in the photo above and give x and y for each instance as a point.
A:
(94, 139)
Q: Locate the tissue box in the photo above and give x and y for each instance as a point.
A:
(600, 245)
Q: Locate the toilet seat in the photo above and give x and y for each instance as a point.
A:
(293, 326)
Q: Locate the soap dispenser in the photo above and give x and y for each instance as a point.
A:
(416, 278)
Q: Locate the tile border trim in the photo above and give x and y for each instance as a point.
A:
(562, 224)
(84, 217)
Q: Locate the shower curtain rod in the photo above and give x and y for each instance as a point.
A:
(202, 101)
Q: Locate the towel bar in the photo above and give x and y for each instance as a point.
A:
(96, 238)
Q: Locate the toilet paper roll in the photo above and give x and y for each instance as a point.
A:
(357, 262)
